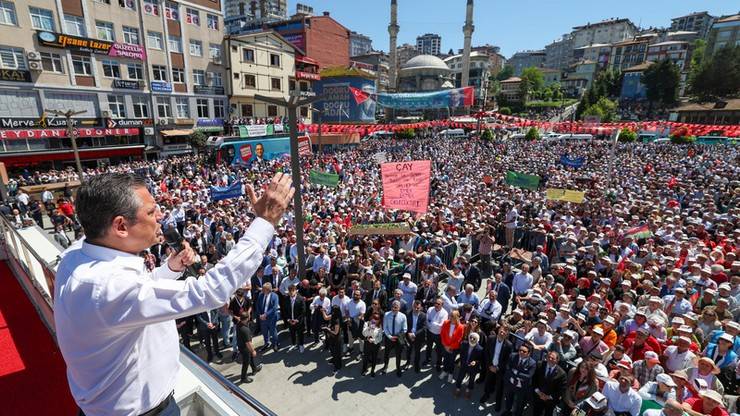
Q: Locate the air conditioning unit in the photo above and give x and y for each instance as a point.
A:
(35, 66)
(33, 56)
(106, 114)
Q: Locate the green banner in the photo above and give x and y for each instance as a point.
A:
(391, 228)
(321, 178)
(522, 180)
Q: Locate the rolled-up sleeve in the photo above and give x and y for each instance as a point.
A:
(129, 300)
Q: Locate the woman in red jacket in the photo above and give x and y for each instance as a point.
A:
(451, 333)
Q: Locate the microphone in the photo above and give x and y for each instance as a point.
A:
(174, 240)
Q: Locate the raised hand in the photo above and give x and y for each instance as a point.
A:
(273, 202)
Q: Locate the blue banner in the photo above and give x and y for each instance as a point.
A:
(219, 193)
(338, 105)
(458, 97)
(573, 163)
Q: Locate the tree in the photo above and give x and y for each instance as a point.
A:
(505, 111)
(198, 140)
(406, 134)
(661, 81)
(505, 73)
(609, 83)
(532, 81)
(487, 135)
(532, 134)
(627, 135)
(718, 76)
(604, 108)
(557, 91)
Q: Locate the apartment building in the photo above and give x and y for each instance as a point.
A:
(143, 74)
(606, 31)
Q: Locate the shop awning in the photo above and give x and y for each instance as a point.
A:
(170, 133)
(306, 60)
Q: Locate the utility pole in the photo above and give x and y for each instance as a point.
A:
(291, 105)
(482, 104)
(71, 133)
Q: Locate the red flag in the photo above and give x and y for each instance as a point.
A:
(359, 95)
(163, 186)
(672, 182)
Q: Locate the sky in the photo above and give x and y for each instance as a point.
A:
(513, 25)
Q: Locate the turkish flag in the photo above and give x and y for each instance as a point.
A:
(359, 95)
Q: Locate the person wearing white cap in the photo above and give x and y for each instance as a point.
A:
(679, 356)
(721, 352)
(621, 397)
(408, 288)
(660, 390)
(648, 368)
(594, 342)
(677, 304)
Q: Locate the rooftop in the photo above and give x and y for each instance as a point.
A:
(638, 68)
(722, 105)
(603, 23)
(733, 18)
(511, 80)
(425, 61)
(670, 42)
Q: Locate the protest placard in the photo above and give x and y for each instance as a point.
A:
(567, 195)
(323, 178)
(522, 180)
(406, 185)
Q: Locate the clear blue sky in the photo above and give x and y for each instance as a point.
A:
(511, 24)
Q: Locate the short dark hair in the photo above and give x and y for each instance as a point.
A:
(103, 197)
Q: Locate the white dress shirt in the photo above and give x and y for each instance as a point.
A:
(490, 309)
(115, 320)
(497, 352)
(622, 402)
(436, 319)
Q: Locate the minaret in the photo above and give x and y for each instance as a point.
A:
(393, 32)
(468, 32)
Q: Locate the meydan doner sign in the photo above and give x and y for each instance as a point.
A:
(456, 97)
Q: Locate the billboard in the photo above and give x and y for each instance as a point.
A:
(248, 151)
(458, 97)
(338, 104)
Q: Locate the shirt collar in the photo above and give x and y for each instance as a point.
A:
(108, 254)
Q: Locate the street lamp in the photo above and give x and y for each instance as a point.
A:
(71, 133)
(291, 105)
(320, 114)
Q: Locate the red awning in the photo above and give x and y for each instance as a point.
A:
(306, 60)
(33, 158)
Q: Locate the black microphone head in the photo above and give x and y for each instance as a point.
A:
(173, 238)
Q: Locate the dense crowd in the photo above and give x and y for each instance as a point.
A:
(626, 303)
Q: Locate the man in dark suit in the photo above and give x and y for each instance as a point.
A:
(295, 316)
(267, 312)
(503, 290)
(549, 384)
(416, 334)
(376, 293)
(518, 381)
(472, 274)
(471, 354)
(427, 294)
(207, 323)
(498, 351)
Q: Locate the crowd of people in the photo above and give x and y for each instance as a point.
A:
(627, 303)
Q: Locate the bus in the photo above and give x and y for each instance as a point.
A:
(235, 150)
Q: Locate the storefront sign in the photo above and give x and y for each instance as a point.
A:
(184, 121)
(61, 133)
(102, 47)
(307, 75)
(128, 122)
(161, 86)
(126, 84)
(46, 122)
(203, 89)
(15, 75)
(210, 122)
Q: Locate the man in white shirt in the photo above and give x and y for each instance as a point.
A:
(449, 299)
(107, 302)
(436, 315)
(521, 284)
(679, 356)
(621, 396)
(510, 223)
(356, 312)
(409, 289)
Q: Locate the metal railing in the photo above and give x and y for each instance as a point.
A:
(37, 278)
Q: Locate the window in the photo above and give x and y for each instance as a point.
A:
(151, 7)
(174, 43)
(214, 51)
(196, 47)
(141, 107)
(212, 21)
(81, 65)
(271, 111)
(154, 40)
(248, 55)
(117, 106)
(12, 58)
(7, 13)
(111, 69)
(218, 109)
(199, 77)
(247, 110)
(102, 1)
(41, 18)
(159, 72)
(52, 62)
(249, 81)
(291, 85)
(163, 107)
(135, 71)
(127, 4)
(131, 35)
(182, 108)
(178, 75)
(275, 83)
(274, 59)
(192, 16)
(304, 111)
(201, 104)
(216, 79)
(74, 25)
(105, 30)
(172, 10)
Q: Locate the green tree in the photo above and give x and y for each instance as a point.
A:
(198, 140)
(557, 91)
(604, 108)
(627, 135)
(505, 73)
(406, 134)
(532, 81)
(505, 111)
(487, 135)
(532, 134)
(718, 76)
(661, 81)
